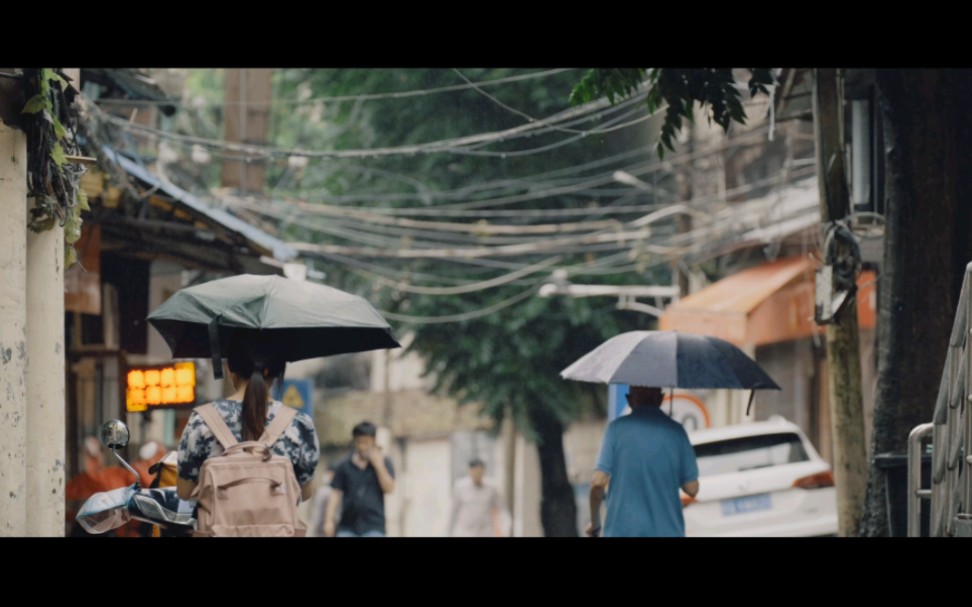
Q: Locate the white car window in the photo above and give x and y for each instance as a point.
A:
(748, 453)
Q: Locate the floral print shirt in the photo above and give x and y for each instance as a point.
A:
(298, 442)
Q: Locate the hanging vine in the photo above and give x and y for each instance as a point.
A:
(53, 181)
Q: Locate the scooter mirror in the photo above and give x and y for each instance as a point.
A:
(114, 434)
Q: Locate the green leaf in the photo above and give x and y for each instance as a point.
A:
(72, 226)
(35, 104)
(581, 92)
(59, 129)
(59, 79)
(83, 200)
(45, 81)
(760, 80)
(58, 155)
(70, 256)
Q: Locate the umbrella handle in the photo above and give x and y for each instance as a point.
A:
(214, 347)
(752, 393)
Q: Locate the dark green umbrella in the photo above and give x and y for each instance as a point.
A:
(290, 319)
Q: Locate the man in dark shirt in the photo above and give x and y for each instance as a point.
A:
(359, 486)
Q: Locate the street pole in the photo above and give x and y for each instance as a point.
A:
(843, 350)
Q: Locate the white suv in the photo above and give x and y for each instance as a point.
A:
(761, 479)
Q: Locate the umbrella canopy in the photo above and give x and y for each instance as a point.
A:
(669, 359)
(291, 319)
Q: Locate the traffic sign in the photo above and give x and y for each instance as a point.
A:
(297, 393)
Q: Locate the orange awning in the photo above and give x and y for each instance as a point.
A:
(769, 303)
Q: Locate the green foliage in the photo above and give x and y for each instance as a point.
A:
(613, 83)
(715, 89)
(58, 155)
(35, 104)
(52, 181)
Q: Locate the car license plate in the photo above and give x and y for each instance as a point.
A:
(749, 503)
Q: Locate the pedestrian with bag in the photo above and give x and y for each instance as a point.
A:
(248, 460)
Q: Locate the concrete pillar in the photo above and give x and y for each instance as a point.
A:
(45, 383)
(526, 515)
(509, 464)
(13, 331)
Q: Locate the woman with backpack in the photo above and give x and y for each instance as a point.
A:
(226, 433)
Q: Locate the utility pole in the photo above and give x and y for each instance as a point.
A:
(683, 222)
(247, 120)
(843, 350)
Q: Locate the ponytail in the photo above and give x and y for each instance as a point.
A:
(255, 404)
(251, 363)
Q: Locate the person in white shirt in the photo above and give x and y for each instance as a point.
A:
(476, 505)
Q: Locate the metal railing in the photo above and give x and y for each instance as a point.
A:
(916, 495)
(950, 495)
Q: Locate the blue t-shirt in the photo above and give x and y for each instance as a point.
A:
(648, 457)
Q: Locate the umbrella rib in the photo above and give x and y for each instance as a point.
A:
(266, 301)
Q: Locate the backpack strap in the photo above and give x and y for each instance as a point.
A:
(279, 424)
(214, 420)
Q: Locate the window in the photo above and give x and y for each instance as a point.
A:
(749, 453)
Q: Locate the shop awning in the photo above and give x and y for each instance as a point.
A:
(766, 304)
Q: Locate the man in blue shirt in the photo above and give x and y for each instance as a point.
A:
(646, 456)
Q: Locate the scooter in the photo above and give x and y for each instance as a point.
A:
(109, 510)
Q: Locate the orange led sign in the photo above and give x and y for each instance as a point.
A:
(160, 386)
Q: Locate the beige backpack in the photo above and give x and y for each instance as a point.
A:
(248, 491)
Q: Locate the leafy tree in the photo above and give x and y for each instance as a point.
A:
(715, 89)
